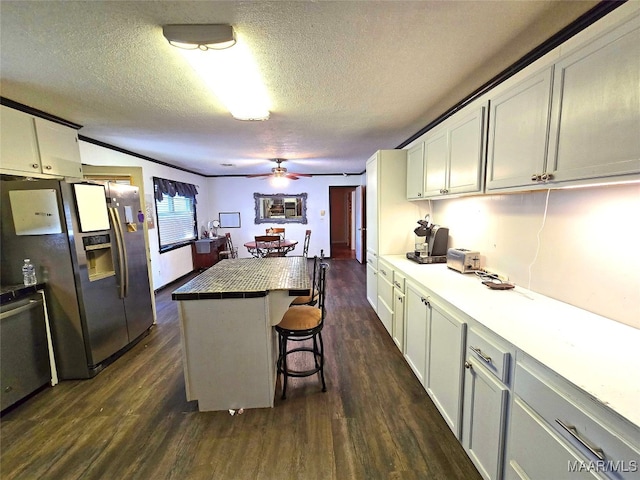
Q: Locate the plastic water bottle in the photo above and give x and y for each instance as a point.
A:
(29, 272)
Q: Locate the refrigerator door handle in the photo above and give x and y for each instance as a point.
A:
(122, 252)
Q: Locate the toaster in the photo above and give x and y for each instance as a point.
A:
(463, 260)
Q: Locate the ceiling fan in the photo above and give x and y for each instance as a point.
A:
(280, 172)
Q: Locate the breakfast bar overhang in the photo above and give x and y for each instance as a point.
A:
(227, 314)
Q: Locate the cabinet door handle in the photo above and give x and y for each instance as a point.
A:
(34, 165)
(468, 366)
(400, 298)
(535, 177)
(47, 167)
(598, 452)
(545, 177)
(478, 352)
(419, 194)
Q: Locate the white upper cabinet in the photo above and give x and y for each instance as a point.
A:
(18, 143)
(33, 146)
(518, 132)
(574, 122)
(59, 151)
(435, 158)
(454, 155)
(415, 172)
(466, 153)
(595, 121)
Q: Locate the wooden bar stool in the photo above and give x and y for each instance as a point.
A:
(301, 323)
(312, 298)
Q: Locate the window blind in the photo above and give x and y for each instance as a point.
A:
(175, 209)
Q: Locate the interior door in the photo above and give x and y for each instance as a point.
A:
(358, 207)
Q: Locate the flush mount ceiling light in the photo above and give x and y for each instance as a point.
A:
(200, 36)
(230, 73)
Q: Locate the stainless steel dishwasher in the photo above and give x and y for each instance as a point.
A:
(24, 353)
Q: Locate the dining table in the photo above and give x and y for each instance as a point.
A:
(283, 248)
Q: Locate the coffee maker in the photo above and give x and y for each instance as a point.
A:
(431, 243)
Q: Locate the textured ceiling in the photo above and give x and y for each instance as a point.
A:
(345, 78)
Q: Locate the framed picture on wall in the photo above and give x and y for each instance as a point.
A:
(229, 219)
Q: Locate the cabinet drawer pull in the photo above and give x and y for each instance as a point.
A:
(478, 352)
(397, 284)
(383, 272)
(574, 433)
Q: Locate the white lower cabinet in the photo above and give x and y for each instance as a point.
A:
(398, 310)
(372, 287)
(484, 419)
(385, 295)
(445, 347)
(515, 418)
(372, 279)
(434, 349)
(574, 437)
(535, 452)
(416, 330)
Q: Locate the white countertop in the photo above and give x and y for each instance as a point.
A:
(597, 354)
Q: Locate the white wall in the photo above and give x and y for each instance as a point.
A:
(225, 194)
(166, 267)
(587, 252)
(235, 194)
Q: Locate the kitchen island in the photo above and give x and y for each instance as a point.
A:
(227, 314)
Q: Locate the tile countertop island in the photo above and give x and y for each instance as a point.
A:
(598, 355)
(227, 315)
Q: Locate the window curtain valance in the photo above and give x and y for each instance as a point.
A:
(162, 187)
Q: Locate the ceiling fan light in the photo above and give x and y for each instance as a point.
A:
(200, 36)
(279, 181)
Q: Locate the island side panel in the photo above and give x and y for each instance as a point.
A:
(227, 351)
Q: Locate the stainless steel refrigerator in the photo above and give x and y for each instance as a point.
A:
(87, 243)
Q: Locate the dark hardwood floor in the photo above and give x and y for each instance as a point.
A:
(341, 251)
(132, 421)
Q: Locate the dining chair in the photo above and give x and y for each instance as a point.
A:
(268, 246)
(305, 248)
(230, 251)
(275, 231)
(300, 324)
